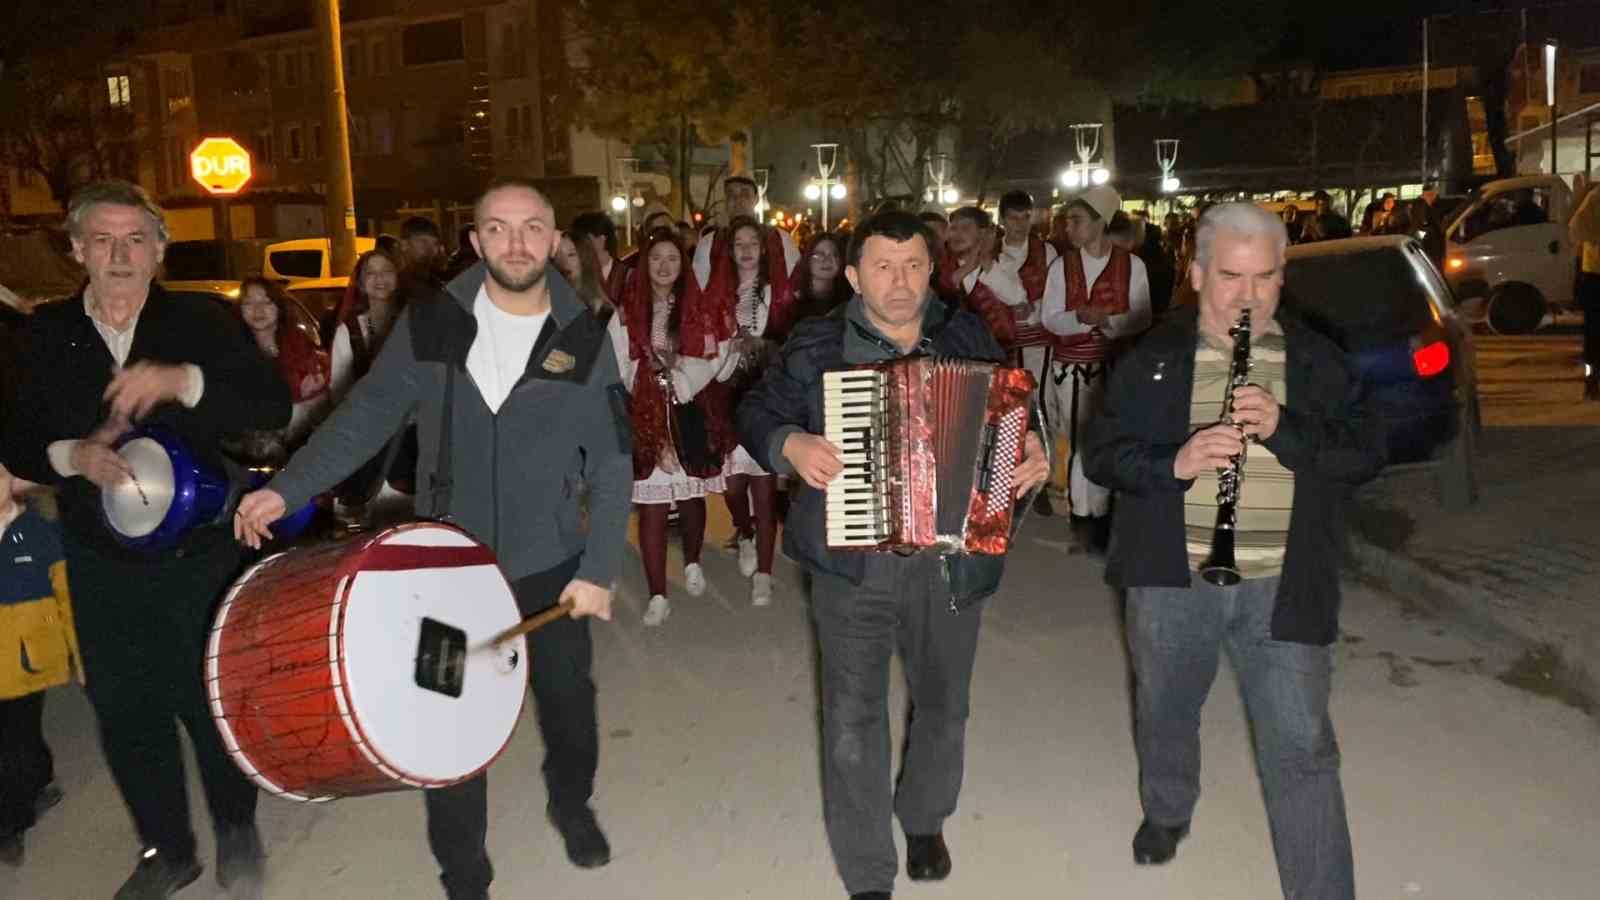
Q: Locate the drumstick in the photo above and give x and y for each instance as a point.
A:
(533, 623)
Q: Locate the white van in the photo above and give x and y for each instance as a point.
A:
(1508, 252)
(304, 259)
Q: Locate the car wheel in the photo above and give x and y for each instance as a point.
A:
(1456, 473)
(1515, 308)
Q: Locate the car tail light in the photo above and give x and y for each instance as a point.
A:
(1431, 359)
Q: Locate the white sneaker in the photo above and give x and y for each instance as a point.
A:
(694, 578)
(761, 589)
(657, 611)
(747, 556)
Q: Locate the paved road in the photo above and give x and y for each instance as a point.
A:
(1533, 380)
(1460, 787)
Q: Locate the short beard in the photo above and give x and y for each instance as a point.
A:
(534, 278)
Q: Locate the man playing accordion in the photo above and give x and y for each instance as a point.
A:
(865, 604)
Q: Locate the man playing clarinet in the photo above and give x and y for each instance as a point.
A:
(865, 604)
(1293, 443)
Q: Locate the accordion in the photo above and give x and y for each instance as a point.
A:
(930, 446)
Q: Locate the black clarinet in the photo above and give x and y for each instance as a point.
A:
(1219, 568)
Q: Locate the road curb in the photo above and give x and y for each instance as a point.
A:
(1433, 593)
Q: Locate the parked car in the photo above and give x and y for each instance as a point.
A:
(1509, 253)
(305, 259)
(227, 293)
(1382, 300)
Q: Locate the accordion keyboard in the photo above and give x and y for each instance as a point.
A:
(857, 500)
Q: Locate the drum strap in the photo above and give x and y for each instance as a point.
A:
(442, 482)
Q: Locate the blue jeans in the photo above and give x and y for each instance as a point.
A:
(1175, 636)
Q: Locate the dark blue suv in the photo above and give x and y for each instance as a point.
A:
(1384, 302)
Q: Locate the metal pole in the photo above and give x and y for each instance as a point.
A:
(1424, 100)
(339, 210)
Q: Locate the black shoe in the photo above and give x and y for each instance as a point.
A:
(1041, 505)
(1155, 844)
(870, 895)
(157, 878)
(586, 843)
(239, 862)
(11, 850)
(927, 858)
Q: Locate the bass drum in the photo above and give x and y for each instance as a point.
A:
(366, 665)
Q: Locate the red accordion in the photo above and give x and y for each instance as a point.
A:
(930, 446)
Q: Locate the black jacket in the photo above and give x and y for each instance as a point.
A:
(788, 398)
(65, 367)
(1324, 436)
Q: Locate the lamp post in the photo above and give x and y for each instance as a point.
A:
(761, 177)
(1086, 141)
(1167, 159)
(627, 166)
(826, 186)
(1550, 95)
(944, 193)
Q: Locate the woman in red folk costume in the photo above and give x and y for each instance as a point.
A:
(750, 284)
(301, 364)
(372, 304)
(666, 340)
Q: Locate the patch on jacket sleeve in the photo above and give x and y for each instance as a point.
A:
(617, 396)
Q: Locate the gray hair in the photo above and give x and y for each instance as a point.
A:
(1243, 219)
(113, 193)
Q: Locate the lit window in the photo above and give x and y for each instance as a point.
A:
(117, 87)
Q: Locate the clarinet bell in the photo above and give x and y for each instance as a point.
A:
(1219, 568)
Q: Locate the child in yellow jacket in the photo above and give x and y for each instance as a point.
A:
(38, 650)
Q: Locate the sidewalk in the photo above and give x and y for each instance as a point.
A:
(1523, 564)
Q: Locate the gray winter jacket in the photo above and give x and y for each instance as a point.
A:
(515, 475)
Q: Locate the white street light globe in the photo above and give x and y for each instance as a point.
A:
(951, 195)
(838, 192)
(638, 202)
(1170, 184)
(1069, 178)
(813, 192)
(619, 203)
(1101, 176)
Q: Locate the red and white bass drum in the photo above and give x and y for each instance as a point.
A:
(367, 665)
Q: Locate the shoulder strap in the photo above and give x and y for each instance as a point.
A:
(442, 481)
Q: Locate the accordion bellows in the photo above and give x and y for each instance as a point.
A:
(930, 447)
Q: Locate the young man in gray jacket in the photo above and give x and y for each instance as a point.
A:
(537, 406)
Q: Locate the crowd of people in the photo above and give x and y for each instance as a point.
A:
(561, 387)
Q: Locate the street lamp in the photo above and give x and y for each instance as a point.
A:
(939, 173)
(627, 166)
(826, 186)
(1167, 159)
(619, 203)
(813, 192)
(1086, 141)
(761, 177)
(1550, 95)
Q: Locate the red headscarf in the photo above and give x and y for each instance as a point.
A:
(647, 404)
(723, 288)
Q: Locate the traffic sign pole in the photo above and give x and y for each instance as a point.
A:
(339, 213)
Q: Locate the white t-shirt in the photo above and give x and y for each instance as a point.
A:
(499, 355)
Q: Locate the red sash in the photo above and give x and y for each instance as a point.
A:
(1109, 294)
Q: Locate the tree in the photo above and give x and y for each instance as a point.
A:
(55, 118)
(658, 73)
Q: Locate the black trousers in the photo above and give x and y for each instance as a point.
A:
(564, 700)
(902, 604)
(142, 627)
(25, 762)
(1589, 300)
